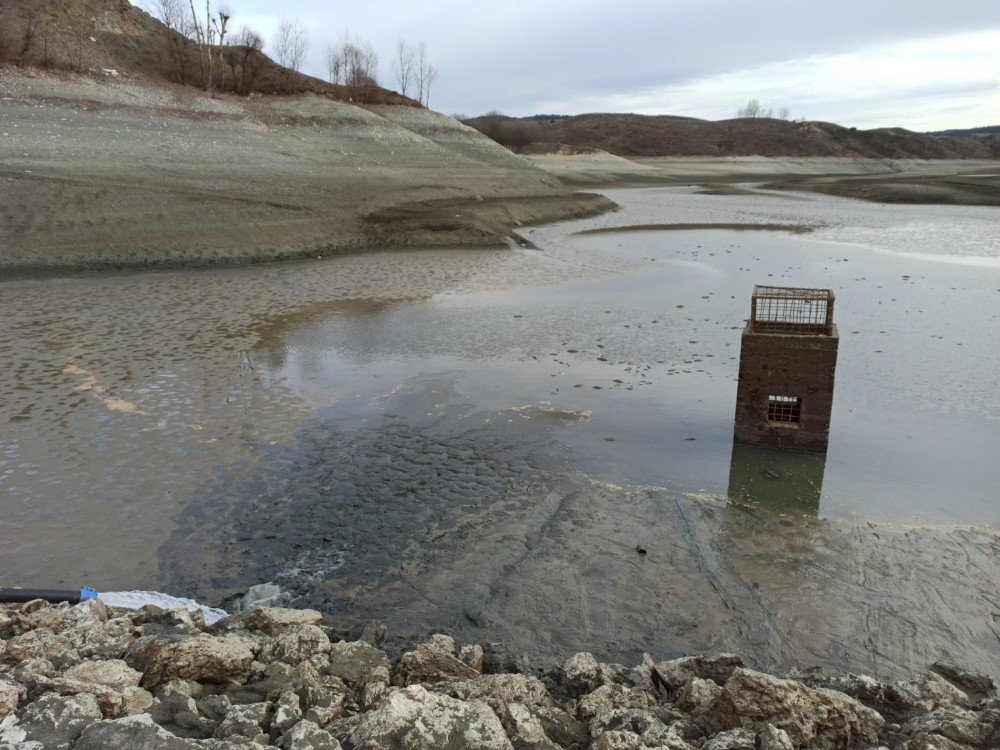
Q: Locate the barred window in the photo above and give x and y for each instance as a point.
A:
(784, 409)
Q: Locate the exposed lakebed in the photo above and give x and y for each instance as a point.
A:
(532, 445)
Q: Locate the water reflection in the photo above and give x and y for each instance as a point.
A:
(775, 479)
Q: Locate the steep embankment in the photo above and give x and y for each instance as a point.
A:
(114, 37)
(109, 173)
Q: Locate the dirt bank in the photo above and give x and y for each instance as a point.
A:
(97, 174)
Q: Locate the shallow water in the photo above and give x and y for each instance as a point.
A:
(409, 435)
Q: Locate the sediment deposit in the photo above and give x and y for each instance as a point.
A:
(107, 174)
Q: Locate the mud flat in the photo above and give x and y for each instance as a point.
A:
(113, 175)
(957, 182)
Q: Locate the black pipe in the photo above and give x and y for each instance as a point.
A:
(73, 596)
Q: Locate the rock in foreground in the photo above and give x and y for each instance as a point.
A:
(89, 677)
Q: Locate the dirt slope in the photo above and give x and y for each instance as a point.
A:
(116, 39)
(108, 173)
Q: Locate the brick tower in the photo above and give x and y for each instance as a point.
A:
(788, 361)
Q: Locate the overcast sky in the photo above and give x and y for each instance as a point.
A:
(921, 64)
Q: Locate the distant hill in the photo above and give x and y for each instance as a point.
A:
(988, 130)
(663, 135)
(115, 38)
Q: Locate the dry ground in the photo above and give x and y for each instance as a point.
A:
(109, 173)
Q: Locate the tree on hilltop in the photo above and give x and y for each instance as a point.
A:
(352, 62)
(403, 65)
(753, 110)
(426, 75)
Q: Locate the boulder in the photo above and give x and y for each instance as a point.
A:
(815, 718)
(214, 707)
(612, 696)
(866, 689)
(924, 693)
(287, 713)
(113, 673)
(355, 662)
(246, 720)
(732, 739)
(37, 644)
(524, 728)
(10, 695)
(502, 688)
(135, 700)
(697, 696)
(617, 740)
(308, 736)
(131, 733)
(373, 694)
(970, 682)
(665, 738)
(582, 674)
(474, 656)
(38, 614)
(989, 721)
(159, 621)
(433, 661)
(932, 742)
(202, 658)
(183, 687)
(772, 738)
(275, 621)
(295, 646)
(953, 722)
(181, 712)
(57, 721)
(675, 673)
(560, 726)
(414, 719)
(30, 669)
(374, 633)
(636, 720)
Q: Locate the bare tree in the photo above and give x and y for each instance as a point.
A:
(751, 110)
(432, 75)
(199, 33)
(334, 63)
(220, 25)
(403, 65)
(426, 75)
(171, 13)
(176, 16)
(754, 110)
(352, 61)
(244, 58)
(290, 44)
(31, 28)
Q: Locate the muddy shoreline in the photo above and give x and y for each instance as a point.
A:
(954, 182)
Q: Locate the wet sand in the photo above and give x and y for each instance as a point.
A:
(486, 440)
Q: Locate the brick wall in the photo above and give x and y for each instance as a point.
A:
(786, 365)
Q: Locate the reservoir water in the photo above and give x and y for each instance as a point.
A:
(480, 440)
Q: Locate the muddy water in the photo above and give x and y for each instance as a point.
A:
(531, 446)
